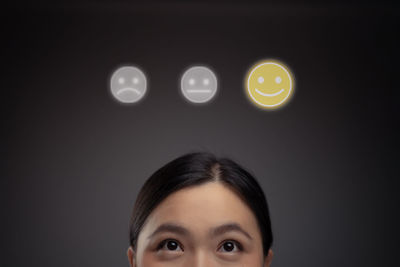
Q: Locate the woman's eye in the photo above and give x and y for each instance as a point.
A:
(231, 246)
(169, 244)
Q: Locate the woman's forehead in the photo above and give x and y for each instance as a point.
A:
(202, 207)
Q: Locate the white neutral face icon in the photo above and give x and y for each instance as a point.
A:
(128, 84)
(199, 84)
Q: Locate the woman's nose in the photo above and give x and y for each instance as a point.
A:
(203, 259)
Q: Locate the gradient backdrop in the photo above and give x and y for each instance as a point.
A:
(74, 159)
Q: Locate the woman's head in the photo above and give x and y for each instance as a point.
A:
(199, 210)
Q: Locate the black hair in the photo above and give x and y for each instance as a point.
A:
(195, 169)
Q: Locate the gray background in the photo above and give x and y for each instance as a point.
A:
(74, 159)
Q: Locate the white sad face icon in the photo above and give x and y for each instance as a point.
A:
(128, 84)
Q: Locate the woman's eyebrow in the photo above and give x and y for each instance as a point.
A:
(172, 228)
(219, 230)
(228, 227)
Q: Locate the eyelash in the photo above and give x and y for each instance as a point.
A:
(164, 242)
(236, 243)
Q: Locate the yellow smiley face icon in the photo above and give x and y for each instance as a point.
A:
(269, 84)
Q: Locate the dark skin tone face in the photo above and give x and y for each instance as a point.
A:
(206, 225)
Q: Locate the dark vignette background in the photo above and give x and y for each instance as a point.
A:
(73, 159)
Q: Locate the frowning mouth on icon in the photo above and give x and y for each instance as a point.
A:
(270, 95)
(128, 89)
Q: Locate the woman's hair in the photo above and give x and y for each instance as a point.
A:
(194, 169)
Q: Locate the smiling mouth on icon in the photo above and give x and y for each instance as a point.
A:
(198, 90)
(270, 95)
(128, 89)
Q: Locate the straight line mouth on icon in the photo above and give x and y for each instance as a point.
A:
(199, 90)
(128, 89)
(270, 95)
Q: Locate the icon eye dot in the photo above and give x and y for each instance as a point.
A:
(260, 79)
(206, 81)
(278, 79)
(121, 80)
(191, 81)
(135, 80)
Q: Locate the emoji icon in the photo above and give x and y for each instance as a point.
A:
(269, 84)
(199, 84)
(128, 84)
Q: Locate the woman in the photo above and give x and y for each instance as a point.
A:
(199, 210)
